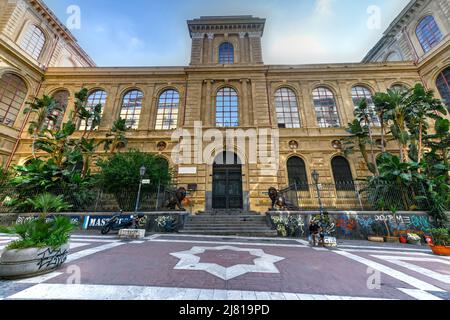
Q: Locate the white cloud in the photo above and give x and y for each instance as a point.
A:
(293, 49)
(324, 7)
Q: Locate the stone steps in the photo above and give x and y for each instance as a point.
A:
(229, 223)
(242, 233)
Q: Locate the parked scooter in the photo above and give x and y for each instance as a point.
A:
(117, 222)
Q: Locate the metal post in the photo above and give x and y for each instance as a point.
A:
(359, 196)
(157, 196)
(138, 198)
(141, 173)
(315, 175)
(320, 199)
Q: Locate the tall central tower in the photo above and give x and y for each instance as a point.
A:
(220, 40)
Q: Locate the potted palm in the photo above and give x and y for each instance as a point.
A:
(441, 242)
(43, 243)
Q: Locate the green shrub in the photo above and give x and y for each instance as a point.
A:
(40, 233)
(441, 237)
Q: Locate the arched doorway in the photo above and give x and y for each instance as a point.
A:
(227, 190)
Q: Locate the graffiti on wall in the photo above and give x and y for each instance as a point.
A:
(353, 225)
(22, 219)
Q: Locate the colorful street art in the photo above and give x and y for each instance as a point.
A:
(358, 226)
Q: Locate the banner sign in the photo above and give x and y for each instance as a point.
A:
(97, 222)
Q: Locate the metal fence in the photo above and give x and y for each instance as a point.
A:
(353, 196)
(95, 200)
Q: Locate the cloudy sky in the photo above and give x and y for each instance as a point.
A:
(154, 32)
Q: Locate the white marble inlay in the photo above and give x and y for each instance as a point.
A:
(400, 261)
(412, 281)
(265, 263)
(46, 291)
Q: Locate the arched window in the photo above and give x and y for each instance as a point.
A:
(297, 173)
(442, 83)
(168, 105)
(33, 41)
(226, 53)
(393, 57)
(287, 108)
(227, 114)
(428, 33)
(131, 108)
(342, 174)
(359, 93)
(95, 98)
(62, 99)
(13, 92)
(326, 109)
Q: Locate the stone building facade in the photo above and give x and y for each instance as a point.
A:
(32, 39)
(228, 86)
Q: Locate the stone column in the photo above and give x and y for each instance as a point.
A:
(310, 120)
(197, 48)
(210, 48)
(242, 51)
(110, 113)
(255, 45)
(208, 104)
(70, 108)
(149, 109)
(244, 112)
(344, 106)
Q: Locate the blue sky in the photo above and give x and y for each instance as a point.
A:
(154, 32)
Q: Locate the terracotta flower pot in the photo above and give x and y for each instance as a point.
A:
(441, 250)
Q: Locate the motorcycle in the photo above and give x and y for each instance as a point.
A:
(117, 222)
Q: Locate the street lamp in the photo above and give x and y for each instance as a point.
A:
(316, 176)
(142, 174)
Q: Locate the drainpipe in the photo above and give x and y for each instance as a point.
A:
(44, 69)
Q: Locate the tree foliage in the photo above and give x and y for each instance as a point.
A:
(414, 119)
(121, 171)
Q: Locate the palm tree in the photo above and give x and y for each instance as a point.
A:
(43, 109)
(47, 202)
(364, 114)
(382, 106)
(397, 103)
(116, 136)
(359, 135)
(423, 107)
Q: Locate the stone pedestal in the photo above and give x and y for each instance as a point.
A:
(132, 234)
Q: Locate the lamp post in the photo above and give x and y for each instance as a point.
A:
(142, 173)
(316, 176)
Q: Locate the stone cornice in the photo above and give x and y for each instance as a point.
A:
(6, 47)
(270, 70)
(396, 26)
(226, 24)
(60, 28)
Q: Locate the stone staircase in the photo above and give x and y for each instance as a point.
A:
(229, 222)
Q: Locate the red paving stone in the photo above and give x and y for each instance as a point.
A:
(303, 271)
(226, 258)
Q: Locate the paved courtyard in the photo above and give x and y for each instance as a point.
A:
(216, 268)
